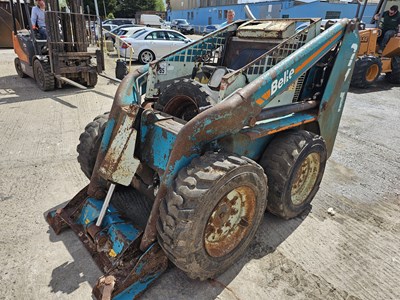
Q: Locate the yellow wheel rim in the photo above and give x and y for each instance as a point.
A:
(372, 72)
(305, 178)
(230, 221)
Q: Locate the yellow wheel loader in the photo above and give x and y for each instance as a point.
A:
(373, 61)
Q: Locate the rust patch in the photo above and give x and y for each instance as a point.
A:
(277, 29)
(230, 221)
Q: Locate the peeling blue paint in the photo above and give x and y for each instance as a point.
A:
(105, 141)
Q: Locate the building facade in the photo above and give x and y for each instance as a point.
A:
(206, 12)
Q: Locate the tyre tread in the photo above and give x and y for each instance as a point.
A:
(89, 142)
(360, 70)
(178, 208)
(278, 160)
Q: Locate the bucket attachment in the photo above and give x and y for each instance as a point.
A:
(114, 246)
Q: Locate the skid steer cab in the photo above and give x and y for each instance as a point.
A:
(63, 58)
(199, 143)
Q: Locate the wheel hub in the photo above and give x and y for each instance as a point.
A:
(147, 57)
(372, 72)
(229, 222)
(305, 178)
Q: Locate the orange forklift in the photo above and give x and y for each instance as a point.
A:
(63, 58)
(373, 61)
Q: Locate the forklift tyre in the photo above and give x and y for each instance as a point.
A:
(394, 76)
(44, 79)
(18, 68)
(92, 79)
(366, 71)
(89, 144)
(183, 99)
(294, 162)
(211, 213)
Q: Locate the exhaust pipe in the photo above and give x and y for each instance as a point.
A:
(248, 12)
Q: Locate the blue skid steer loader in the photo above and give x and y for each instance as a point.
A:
(199, 143)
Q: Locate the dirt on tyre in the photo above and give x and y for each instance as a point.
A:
(294, 162)
(183, 99)
(394, 75)
(366, 71)
(18, 68)
(89, 143)
(212, 212)
(43, 76)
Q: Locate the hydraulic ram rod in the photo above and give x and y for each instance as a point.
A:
(105, 205)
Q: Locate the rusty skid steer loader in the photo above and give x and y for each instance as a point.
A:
(199, 143)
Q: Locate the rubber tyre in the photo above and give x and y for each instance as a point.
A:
(282, 162)
(89, 144)
(132, 204)
(146, 56)
(18, 68)
(366, 71)
(183, 99)
(394, 76)
(187, 210)
(92, 79)
(44, 79)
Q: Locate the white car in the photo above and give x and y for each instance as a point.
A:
(122, 33)
(166, 25)
(150, 43)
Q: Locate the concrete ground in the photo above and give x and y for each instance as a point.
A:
(353, 254)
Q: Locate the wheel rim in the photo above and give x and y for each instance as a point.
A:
(147, 56)
(182, 107)
(305, 178)
(372, 72)
(230, 221)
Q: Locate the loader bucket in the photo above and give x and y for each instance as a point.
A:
(114, 246)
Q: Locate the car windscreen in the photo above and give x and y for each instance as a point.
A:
(139, 33)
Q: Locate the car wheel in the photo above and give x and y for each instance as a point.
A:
(146, 56)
